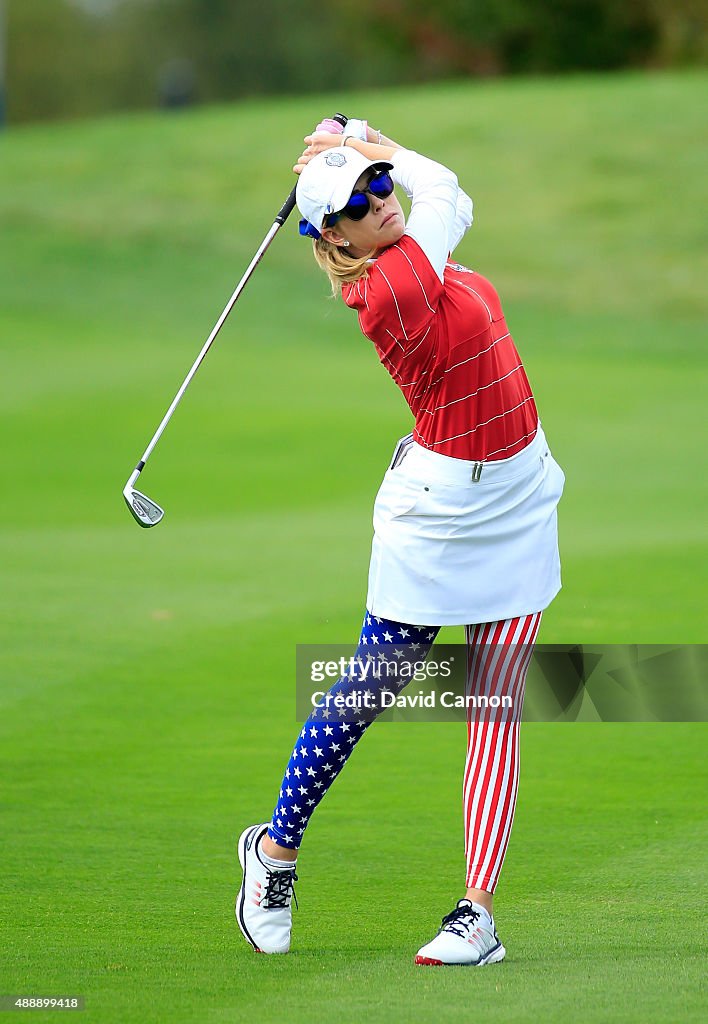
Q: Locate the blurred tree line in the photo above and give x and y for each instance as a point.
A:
(66, 58)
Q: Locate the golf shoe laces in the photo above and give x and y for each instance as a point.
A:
(280, 888)
(459, 921)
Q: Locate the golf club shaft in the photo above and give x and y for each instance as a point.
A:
(285, 211)
(208, 343)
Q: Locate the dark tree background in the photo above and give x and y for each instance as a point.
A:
(66, 58)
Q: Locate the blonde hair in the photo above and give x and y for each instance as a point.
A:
(339, 267)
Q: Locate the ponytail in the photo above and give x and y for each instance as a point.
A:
(339, 267)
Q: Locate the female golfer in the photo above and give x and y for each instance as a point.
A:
(465, 529)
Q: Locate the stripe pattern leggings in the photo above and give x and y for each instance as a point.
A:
(498, 655)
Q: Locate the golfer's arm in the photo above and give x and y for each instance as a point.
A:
(372, 150)
(434, 191)
(463, 219)
(463, 205)
(441, 211)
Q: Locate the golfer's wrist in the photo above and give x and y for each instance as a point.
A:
(372, 150)
(376, 137)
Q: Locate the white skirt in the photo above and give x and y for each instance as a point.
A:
(458, 542)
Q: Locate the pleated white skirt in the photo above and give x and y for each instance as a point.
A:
(458, 542)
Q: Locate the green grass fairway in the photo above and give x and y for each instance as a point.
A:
(146, 677)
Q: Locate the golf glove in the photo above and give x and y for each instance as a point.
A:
(355, 128)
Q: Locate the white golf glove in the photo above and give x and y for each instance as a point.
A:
(355, 129)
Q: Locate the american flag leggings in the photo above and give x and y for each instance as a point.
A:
(498, 655)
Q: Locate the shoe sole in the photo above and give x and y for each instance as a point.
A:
(494, 956)
(241, 894)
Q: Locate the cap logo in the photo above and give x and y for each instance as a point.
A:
(335, 159)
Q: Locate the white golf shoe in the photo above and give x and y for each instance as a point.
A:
(467, 936)
(264, 901)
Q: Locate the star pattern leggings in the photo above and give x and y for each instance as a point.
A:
(498, 654)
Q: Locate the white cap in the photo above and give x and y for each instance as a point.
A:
(327, 181)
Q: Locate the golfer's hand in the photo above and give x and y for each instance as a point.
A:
(318, 142)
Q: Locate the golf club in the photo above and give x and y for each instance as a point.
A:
(145, 511)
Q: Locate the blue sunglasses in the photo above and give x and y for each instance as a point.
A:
(358, 205)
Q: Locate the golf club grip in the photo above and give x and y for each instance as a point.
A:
(289, 205)
(286, 209)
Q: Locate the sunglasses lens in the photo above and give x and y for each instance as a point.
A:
(357, 207)
(381, 186)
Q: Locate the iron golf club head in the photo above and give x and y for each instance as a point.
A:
(145, 511)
